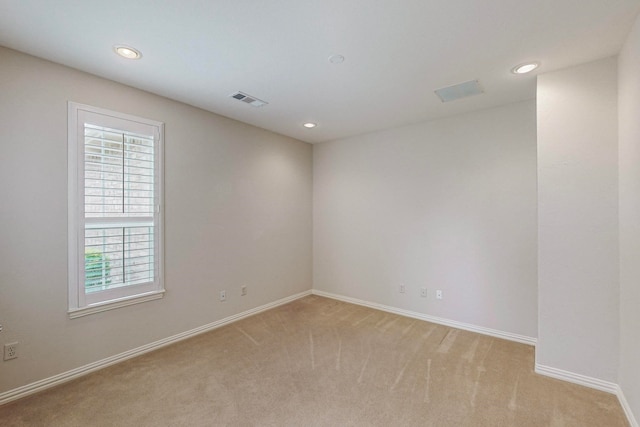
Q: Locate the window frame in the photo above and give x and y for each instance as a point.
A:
(79, 304)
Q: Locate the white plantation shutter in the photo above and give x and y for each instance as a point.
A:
(117, 206)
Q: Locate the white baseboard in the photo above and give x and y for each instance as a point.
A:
(579, 379)
(439, 320)
(590, 382)
(46, 383)
(627, 409)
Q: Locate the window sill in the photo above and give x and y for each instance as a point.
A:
(112, 305)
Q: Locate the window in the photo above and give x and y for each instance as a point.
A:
(115, 210)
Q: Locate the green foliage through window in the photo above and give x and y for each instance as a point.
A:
(97, 269)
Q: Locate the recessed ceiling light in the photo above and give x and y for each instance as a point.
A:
(525, 68)
(310, 125)
(336, 59)
(127, 52)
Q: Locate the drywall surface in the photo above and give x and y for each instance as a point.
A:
(578, 294)
(629, 157)
(448, 205)
(237, 212)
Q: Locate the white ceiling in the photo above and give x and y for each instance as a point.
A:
(397, 52)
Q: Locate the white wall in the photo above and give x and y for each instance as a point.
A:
(448, 204)
(629, 158)
(238, 211)
(578, 220)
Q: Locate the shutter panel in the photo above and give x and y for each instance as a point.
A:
(119, 208)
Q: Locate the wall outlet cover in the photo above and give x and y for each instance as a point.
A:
(11, 351)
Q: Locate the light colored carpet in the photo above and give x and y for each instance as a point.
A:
(320, 362)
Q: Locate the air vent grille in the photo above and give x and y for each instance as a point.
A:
(248, 99)
(462, 90)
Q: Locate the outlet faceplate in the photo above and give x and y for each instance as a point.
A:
(402, 289)
(243, 290)
(223, 295)
(423, 292)
(11, 351)
(438, 294)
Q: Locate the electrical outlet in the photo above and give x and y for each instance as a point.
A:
(223, 295)
(438, 294)
(243, 290)
(11, 351)
(402, 289)
(423, 292)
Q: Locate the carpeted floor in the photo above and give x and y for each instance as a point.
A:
(320, 362)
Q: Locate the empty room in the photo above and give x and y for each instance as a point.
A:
(320, 213)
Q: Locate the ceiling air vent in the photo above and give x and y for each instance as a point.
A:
(251, 100)
(462, 90)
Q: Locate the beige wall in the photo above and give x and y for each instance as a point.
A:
(448, 204)
(629, 147)
(238, 212)
(578, 220)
